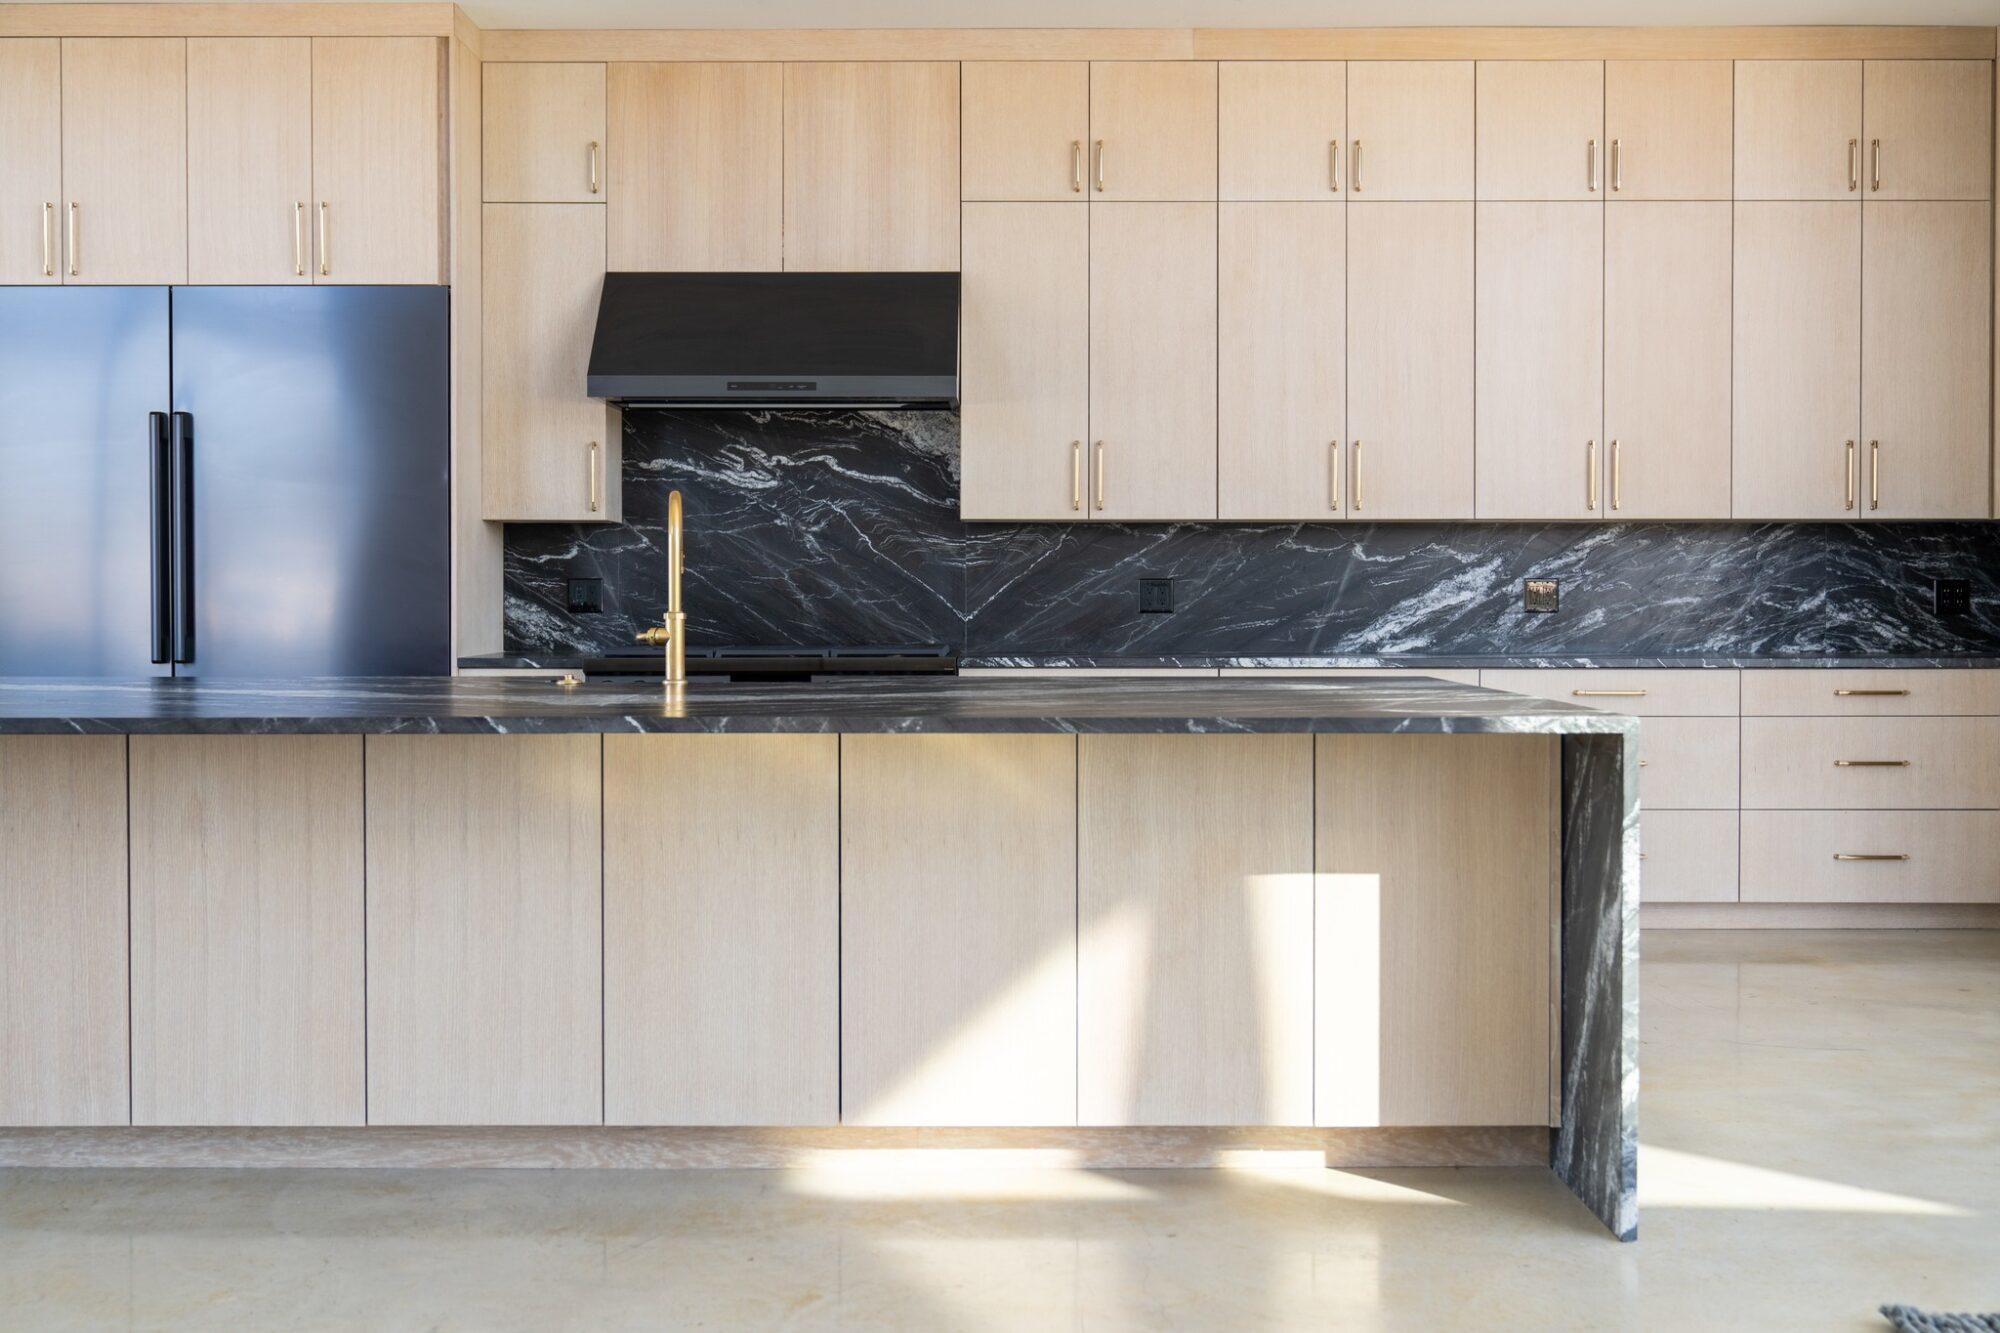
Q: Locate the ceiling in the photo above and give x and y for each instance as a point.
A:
(1205, 13)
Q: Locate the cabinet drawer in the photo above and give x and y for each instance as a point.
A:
(1875, 693)
(1459, 676)
(1937, 856)
(1871, 763)
(1687, 763)
(1690, 856)
(1669, 692)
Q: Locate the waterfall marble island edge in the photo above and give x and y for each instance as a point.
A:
(1076, 836)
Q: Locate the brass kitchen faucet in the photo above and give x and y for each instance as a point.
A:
(672, 636)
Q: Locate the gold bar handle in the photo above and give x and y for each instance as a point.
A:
(1874, 474)
(1590, 163)
(595, 476)
(1871, 763)
(1874, 165)
(1617, 490)
(1076, 166)
(1853, 165)
(48, 240)
(325, 266)
(1076, 474)
(1354, 472)
(1354, 165)
(1100, 476)
(596, 182)
(75, 234)
(1333, 165)
(1590, 475)
(1333, 475)
(299, 238)
(1097, 165)
(1617, 167)
(1609, 694)
(1871, 856)
(1871, 694)
(1850, 474)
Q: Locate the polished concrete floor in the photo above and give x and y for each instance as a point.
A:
(1821, 1129)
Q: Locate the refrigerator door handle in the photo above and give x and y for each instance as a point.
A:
(182, 527)
(162, 469)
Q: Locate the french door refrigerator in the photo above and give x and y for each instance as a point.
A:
(224, 481)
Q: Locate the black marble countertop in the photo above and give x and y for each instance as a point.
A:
(498, 705)
(1440, 662)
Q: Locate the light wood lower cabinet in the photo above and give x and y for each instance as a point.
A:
(1195, 943)
(247, 972)
(63, 935)
(1437, 887)
(1688, 763)
(1876, 692)
(722, 930)
(1871, 763)
(958, 953)
(1871, 856)
(485, 926)
(1686, 856)
(1660, 692)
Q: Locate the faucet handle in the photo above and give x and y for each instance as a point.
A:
(659, 636)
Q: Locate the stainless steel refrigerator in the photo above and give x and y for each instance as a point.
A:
(224, 481)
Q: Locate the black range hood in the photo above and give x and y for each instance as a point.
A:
(777, 340)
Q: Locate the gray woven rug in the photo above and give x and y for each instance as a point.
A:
(1908, 1319)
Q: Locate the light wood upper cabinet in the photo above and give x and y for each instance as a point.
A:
(1798, 129)
(124, 134)
(871, 165)
(1282, 360)
(1668, 125)
(31, 194)
(1409, 360)
(1929, 127)
(958, 946)
(1195, 918)
(63, 953)
(1282, 129)
(1541, 129)
(485, 930)
(247, 972)
(542, 134)
(1540, 361)
(249, 159)
(1409, 129)
(1152, 129)
(1666, 360)
(696, 174)
(550, 450)
(1925, 359)
(1025, 127)
(378, 159)
(1797, 356)
(1437, 888)
(722, 930)
(1152, 362)
(1024, 412)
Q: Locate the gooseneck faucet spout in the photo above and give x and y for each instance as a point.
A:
(672, 635)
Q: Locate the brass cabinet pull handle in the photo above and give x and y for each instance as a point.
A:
(1100, 475)
(1874, 165)
(1871, 763)
(1076, 474)
(1609, 694)
(1590, 163)
(1642, 763)
(1874, 474)
(325, 265)
(1354, 473)
(1097, 165)
(1333, 165)
(1333, 475)
(1590, 475)
(1853, 165)
(1617, 490)
(299, 238)
(596, 185)
(75, 232)
(1850, 474)
(596, 478)
(1076, 166)
(1871, 856)
(1871, 694)
(1617, 167)
(48, 240)
(1354, 165)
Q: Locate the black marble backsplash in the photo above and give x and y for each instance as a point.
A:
(842, 527)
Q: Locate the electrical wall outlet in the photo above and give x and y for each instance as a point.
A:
(1951, 597)
(585, 596)
(1156, 597)
(1541, 595)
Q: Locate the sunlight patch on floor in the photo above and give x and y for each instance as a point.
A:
(1671, 1179)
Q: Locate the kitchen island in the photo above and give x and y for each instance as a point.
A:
(1134, 920)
